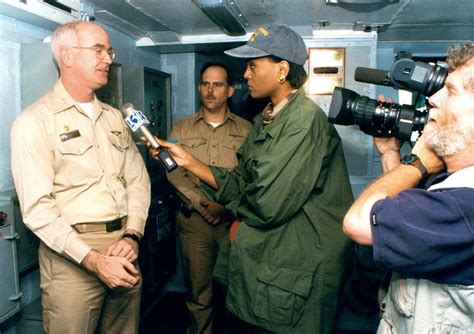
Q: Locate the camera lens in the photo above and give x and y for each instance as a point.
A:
(379, 118)
(375, 118)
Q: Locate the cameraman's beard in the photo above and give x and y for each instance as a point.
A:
(448, 140)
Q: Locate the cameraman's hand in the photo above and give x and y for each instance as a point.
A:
(388, 148)
(428, 157)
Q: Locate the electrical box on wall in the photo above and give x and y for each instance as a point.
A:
(44, 13)
(149, 91)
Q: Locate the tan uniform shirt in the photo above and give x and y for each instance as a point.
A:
(213, 146)
(70, 169)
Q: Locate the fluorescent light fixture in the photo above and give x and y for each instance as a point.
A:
(225, 14)
(360, 2)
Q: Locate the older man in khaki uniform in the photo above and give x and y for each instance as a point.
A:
(83, 190)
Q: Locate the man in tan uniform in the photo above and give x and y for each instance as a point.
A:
(83, 190)
(213, 135)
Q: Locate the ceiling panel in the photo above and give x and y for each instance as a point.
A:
(170, 22)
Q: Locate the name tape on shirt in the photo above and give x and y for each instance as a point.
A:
(69, 135)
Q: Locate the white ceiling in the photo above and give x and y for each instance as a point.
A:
(170, 25)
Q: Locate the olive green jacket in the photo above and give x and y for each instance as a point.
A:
(290, 190)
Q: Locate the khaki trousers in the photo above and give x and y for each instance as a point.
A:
(200, 245)
(76, 301)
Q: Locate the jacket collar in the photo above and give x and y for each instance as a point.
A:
(273, 127)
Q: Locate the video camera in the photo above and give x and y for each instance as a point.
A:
(384, 119)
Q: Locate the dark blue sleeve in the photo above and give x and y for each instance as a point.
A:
(426, 234)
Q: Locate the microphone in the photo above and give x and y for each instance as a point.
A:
(373, 76)
(136, 120)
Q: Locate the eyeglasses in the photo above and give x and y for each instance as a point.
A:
(100, 51)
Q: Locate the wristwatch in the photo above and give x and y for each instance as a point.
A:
(413, 160)
(131, 236)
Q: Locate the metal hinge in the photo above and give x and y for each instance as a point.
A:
(16, 297)
(12, 237)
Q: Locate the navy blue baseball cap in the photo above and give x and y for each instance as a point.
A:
(275, 40)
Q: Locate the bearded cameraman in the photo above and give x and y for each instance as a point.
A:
(426, 236)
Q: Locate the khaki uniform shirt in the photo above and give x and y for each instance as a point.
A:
(213, 146)
(70, 169)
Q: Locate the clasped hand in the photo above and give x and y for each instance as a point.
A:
(213, 213)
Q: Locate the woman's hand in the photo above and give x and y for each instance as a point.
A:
(185, 160)
(179, 154)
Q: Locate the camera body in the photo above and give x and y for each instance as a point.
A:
(383, 119)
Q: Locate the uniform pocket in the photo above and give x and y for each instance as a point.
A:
(76, 162)
(232, 144)
(193, 142)
(119, 142)
(196, 146)
(117, 151)
(75, 146)
(281, 294)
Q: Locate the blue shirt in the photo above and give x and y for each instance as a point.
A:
(428, 233)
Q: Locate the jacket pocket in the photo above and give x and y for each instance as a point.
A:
(402, 293)
(281, 293)
(447, 329)
(458, 317)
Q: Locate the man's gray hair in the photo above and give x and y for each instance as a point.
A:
(64, 35)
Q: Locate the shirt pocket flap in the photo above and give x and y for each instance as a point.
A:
(232, 144)
(289, 279)
(193, 142)
(75, 146)
(120, 142)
